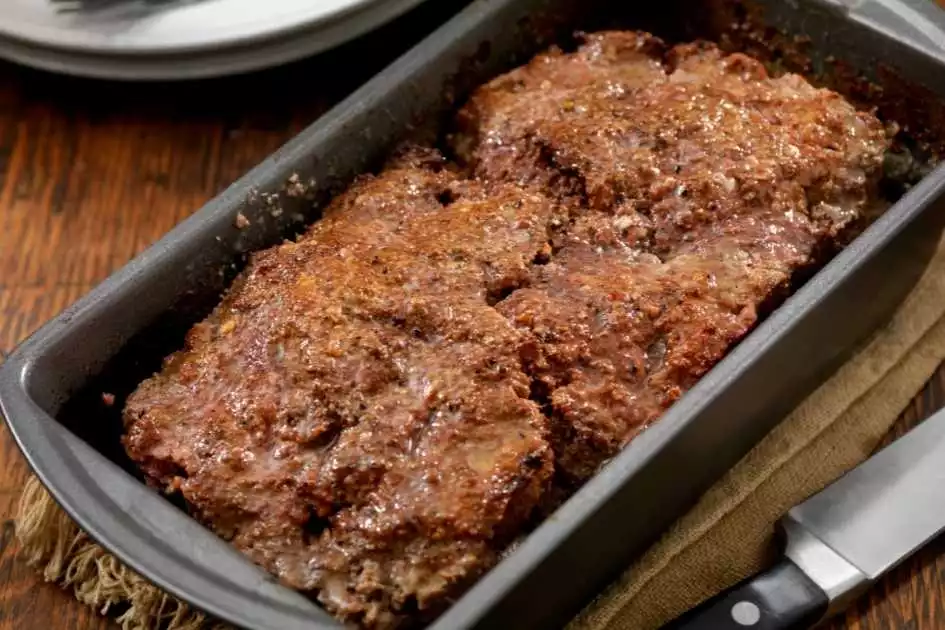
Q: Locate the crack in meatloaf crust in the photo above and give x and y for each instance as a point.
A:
(375, 411)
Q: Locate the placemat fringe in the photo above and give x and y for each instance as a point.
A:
(52, 543)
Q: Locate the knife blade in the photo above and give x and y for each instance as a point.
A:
(842, 539)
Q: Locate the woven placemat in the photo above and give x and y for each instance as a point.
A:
(726, 537)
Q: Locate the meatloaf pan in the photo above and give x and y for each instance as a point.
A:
(51, 387)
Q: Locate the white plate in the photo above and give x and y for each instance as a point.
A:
(172, 62)
(186, 26)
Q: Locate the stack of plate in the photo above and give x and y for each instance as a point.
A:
(138, 40)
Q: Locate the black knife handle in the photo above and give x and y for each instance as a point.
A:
(783, 598)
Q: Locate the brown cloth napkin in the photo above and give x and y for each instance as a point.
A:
(727, 535)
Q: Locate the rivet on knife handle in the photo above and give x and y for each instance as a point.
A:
(782, 598)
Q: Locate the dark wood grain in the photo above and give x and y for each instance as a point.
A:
(93, 172)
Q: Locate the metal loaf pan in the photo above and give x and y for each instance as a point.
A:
(50, 388)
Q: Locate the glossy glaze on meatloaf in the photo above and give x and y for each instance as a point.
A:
(376, 410)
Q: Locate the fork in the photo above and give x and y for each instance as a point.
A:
(78, 6)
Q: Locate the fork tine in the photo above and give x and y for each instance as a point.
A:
(76, 6)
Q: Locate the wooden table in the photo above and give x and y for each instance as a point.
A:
(92, 172)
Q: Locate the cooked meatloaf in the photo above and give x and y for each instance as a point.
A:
(698, 186)
(376, 410)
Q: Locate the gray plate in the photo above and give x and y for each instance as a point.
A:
(197, 43)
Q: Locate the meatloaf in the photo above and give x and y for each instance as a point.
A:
(377, 409)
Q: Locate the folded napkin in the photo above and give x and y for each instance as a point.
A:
(726, 537)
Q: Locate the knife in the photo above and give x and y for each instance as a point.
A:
(842, 539)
